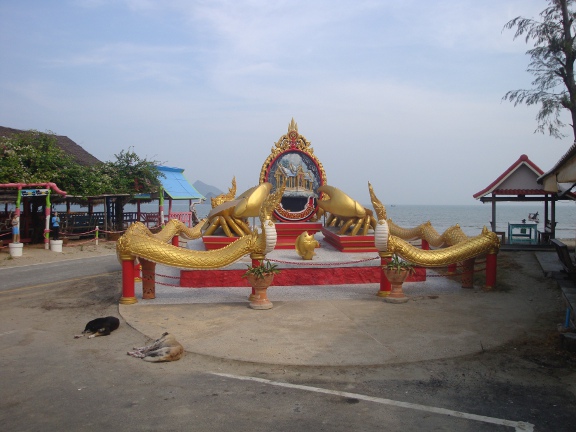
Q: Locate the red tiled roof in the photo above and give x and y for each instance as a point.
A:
(519, 191)
(493, 187)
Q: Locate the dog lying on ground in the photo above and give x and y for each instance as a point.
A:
(100, 327)
(164, 349)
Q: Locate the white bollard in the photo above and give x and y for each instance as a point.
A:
(56, 245)
(15, 249)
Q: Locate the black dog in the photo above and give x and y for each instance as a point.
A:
(100, 327)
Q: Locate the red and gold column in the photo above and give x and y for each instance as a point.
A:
(128, 295)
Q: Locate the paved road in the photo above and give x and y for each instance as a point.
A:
(39, 274)
(51, 381)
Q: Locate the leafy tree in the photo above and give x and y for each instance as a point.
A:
(552, 64)
(35, 157)
(32, 157)
(129, 174)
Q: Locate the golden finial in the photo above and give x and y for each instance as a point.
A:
(293, 126)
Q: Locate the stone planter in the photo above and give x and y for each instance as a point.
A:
(260, 285)
(16, 249)
(396, 279)
(56, 245)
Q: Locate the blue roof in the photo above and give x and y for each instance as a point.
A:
(176, 186)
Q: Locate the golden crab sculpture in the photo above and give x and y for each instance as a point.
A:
(345, 212)
(232, 215)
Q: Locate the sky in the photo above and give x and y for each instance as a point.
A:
(405, 95)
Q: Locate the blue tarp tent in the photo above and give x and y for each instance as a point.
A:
(176, 186)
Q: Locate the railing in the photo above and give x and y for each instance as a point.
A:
(184, 217)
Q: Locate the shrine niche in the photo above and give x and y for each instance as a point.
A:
(292, 162)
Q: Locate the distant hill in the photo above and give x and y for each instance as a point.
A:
(207, 190)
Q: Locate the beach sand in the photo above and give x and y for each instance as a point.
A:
(37, 254)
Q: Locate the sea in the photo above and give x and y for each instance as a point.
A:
(470, 218)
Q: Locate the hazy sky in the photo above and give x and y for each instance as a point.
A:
(404, 94)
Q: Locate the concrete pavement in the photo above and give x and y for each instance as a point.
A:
(337, 325)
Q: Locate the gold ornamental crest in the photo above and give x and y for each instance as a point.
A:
(292, 162)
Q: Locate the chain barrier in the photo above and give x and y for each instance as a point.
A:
(322, 264)
(144, 274)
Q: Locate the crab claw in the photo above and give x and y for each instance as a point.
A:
(249, 202)
(340, 204)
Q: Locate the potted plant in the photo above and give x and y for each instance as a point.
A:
(260, 277)
(396, 271)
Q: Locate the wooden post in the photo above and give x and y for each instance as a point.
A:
(468, 273)
(491, 262)
(148, 279)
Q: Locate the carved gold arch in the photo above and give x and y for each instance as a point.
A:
(290, 144)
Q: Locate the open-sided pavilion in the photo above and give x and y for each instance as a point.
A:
(520, 183)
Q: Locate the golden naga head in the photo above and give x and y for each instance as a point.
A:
(272, 201)
(216, 201)
(378, 206)
(305, 245)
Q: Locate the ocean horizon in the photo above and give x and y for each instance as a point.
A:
(471, 217)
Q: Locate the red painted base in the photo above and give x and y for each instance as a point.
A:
(291, 276)
(287, 233)
(217, 242)
(348, 243)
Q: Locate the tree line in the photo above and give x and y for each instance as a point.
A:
(35, 157)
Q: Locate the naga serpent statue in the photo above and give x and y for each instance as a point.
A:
(351, 217)
(139, 241)
(468, 247)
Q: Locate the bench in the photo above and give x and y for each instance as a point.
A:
(565, 258)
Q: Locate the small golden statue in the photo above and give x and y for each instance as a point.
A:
(305, 245)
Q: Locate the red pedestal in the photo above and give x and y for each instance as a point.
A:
(287, 233)
(292, 277)
(349, 243)
(217, 242)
